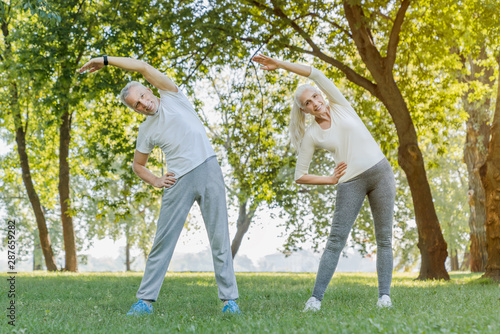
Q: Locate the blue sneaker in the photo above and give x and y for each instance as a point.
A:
(141, 308)
(231, 307)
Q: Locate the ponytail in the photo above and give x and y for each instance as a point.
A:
(297, 127)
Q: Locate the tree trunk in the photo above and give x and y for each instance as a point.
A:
(431, 243)
(127, 254)
(244, 221)
(490, 177)
(478, 253)
(454, 260)
(64, 192)
(46, 245)
(43, 233)
(475, 151)
(37, 255)
(465, 262)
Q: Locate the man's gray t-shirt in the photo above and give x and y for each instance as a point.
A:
(178, 131)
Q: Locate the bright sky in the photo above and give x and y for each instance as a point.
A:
(261, 239)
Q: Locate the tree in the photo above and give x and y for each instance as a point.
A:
(475, 151)
(490, 177)
(53, 95)
(465, 39)
(374, 28)
(53, 60)
(475, 43)
(19, 93)
(474, 49)
(449, 186)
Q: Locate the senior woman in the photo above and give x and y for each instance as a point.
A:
(361, 170)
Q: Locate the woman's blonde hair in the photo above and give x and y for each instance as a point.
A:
(297, 126)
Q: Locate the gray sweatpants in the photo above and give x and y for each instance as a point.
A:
(378, 183)
(205, 185)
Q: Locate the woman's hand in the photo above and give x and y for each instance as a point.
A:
(267, 63)
(270, 64)
(338, 172)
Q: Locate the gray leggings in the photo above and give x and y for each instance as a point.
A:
(378, 183)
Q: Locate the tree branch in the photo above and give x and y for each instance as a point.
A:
(378, 13)
(394, 36)
(199, 64)
(316, 51)
(210, 129)
(362, 35)
(350, 74)
(334, 24)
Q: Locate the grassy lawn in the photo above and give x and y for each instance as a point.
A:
(270, 302)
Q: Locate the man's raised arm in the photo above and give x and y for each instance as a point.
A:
(151, 74)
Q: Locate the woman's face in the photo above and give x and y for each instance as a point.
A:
(312, 102)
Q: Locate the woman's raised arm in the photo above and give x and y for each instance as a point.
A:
(270, 64)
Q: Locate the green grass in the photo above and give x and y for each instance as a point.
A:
(271, 303)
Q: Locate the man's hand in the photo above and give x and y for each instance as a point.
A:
(94, 64)
(338, 172)
(139, 168)
(165, 181)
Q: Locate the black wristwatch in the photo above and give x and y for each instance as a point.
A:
(105, 60)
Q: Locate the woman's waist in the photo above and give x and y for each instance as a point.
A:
(359, 164)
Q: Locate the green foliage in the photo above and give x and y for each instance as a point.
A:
(248, 130)
(449, 188)
(101, 149)
(210, 43)
(97, 303)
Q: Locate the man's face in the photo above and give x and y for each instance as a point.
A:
(142, 100)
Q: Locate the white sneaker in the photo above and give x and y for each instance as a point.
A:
(312, 304)
(384, 301)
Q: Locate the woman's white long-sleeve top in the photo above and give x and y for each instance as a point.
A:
(347, 139)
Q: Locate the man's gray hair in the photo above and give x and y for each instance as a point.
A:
(125, 91)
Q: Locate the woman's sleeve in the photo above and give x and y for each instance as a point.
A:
(328, 87)
(304, 159)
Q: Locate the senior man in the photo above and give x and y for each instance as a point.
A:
(193, 175)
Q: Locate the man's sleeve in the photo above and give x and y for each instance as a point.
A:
(182, 99)
(143, 143)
